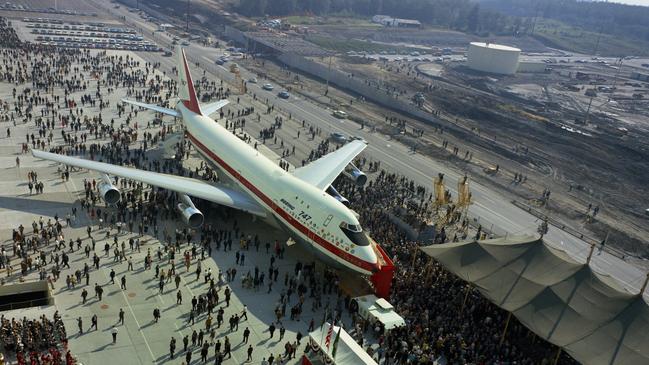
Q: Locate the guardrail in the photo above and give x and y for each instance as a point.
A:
(25, 304)
(573, 232)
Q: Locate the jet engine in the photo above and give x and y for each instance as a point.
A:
(333, 192)
(355, 174)
(190, 214)
(109, 193)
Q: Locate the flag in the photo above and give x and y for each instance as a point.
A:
(324, 320)
(335, 346)
(329, 333)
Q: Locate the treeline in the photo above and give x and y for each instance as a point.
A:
(462, 15)
(597, 16)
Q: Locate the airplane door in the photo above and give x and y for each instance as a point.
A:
(328, 220)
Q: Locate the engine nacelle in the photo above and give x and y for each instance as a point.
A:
(109, 193)
(356, 175)
(333, 192)
(192, 216)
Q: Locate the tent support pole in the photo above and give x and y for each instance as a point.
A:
(429, 270)
(590, 254)
(556, 359)
(644, 286)
(414, 257)
(502, 337)
(466, 297)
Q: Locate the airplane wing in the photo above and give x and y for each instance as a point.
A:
(157, 108)
(210, 108)
(191, 187)
(323, 171)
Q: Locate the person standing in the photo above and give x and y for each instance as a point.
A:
(84, 295)
(80, 324)
(249, 353)
(172, 347)
(227, 348)
(204, 352)
(121, 316)
(112, 276)
(246, 334)
(123, 282)
(185, 342)
(188, 357)
(271, 329)
(93, 322)
(114, 333)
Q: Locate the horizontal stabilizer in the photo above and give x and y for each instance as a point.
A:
(159, 109)
(211, 108)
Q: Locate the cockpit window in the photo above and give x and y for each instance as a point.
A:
(355, 234)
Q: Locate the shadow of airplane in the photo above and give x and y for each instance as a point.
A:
(46, 208)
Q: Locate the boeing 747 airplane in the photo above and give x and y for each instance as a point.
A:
(303, 202)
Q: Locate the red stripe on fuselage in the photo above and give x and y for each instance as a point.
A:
(277, 209)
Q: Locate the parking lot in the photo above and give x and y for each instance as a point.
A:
(56, 32)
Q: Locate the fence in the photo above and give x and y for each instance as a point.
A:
(367, 90)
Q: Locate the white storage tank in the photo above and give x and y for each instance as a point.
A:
(493, 58)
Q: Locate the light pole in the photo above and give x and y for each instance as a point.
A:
(187, 16)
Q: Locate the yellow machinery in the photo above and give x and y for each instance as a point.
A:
(441, 194)
(463, 193)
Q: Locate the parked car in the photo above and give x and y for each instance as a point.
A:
(252, 80)
(338, 137)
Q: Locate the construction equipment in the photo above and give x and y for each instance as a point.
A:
(463, 193)
(441, 195)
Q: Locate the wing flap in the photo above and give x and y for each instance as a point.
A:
(157, 108)
(191, 187)
(323, 171)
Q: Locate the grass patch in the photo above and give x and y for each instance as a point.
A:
(563, 36)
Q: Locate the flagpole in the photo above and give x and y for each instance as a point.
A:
(324, 320)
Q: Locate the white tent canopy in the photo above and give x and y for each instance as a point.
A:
(589, 314)
(348, 351)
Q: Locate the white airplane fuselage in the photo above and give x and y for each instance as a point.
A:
(309, 215)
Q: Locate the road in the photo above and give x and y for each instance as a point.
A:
(491, 209)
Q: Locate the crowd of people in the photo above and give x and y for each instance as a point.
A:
(42, 341)
(446, 318)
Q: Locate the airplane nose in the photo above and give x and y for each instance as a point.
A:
(368, 255)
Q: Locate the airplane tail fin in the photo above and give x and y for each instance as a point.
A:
(186, 91)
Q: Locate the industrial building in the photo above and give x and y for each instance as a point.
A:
(389, 21)
(532, 67)
(493, 58)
